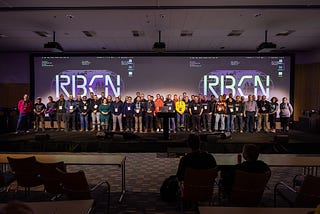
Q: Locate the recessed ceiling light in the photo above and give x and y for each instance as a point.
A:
(42, 33)
(137, 33)
(89, 33)
(235, 33)
(257, 15)
(3, 36)
(69, 16)
(285, 33)
(186, 33)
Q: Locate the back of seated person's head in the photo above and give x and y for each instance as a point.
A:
(194, 142)
(250, 152)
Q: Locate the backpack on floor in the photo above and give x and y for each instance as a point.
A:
(169, 189)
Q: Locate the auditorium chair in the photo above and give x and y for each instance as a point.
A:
(306, 195)
(248, 188)
(198, 185)
(49, 174)
(26, 172)
(75, 187)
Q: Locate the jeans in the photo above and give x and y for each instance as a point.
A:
(239, 122)
(180, 120)
(149, 122)
(52, 117)
(230, 122)
(250, 120)
(84, 122)
(23, 122)
(219, 117)
(206, 119)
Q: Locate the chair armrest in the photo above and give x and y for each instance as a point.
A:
(99, 184)
(285, 185)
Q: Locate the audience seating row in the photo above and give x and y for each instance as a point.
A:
(247, 189)
(55, 179)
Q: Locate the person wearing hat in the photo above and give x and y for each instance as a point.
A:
(39, 109)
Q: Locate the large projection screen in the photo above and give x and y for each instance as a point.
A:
(125, 75)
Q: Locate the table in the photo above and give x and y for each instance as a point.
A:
(254, 210)
(310, 163)
(60, 207)
(76, 159)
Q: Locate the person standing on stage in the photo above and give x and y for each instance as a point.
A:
(51, 110)
(25, 110)
(286, 110)
(206, 114)
(128, 111)
(250, 112)
(39, 110)
(171, 108)
(220, 114)
(138, 109)
(274, 107)
(84, 107)
(150, 107)
(187, 118)
(116, 110)
(263, 114)
(77, 112)
(180, 109)
(230, 113)
(239, 107)
(61, 112)
(105, 111)
(195, 110)
(95, 114)
(70, 114)
(158, 103)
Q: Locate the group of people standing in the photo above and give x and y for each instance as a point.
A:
(195, 114)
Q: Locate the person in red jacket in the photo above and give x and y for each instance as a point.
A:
(25, 109)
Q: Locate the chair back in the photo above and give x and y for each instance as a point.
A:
(199, 184)
(25, 170)
(309, 194)
(75, 185)
(50, 175)
(248, 188)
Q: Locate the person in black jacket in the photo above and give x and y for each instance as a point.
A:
(196, 159)
(250, 153)
(84, 107)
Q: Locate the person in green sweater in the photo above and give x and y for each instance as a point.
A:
(104, 109)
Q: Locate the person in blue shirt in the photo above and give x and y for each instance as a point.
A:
(128, 111)
(116, 110)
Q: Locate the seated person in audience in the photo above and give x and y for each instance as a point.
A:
(250, 153)
(196, 159)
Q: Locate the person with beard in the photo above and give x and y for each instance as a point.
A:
(39, 110)
(25, 110)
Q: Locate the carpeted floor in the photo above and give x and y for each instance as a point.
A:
(145, 173)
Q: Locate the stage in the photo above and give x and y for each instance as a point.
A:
(295, 142)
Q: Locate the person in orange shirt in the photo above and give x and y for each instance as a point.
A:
(180, 108)
(158, 103)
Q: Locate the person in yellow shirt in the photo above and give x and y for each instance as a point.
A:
(180, 108)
